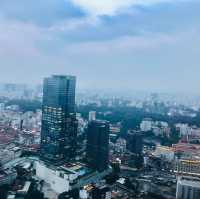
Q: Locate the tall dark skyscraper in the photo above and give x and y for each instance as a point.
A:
(98, 145)
(135, 142)
(59, 125)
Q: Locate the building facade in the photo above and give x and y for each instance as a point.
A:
(59, 125)
(146, 125)
(187, 167)
(188, 188)
(135, 142)
(92, 116)
(98, 145)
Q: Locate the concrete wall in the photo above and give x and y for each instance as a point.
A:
(52, 177)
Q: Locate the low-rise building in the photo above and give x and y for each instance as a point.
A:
(7, 176)
(187, 167)
(146, 125)
(67, 177)
(166, 153)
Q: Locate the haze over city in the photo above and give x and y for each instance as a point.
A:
(99, 99)
(150, 45)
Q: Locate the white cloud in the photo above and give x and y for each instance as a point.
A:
(110, 7)
(73, 24)
(122, 45)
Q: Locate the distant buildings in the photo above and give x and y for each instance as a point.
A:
(120, 146)
(20, 91)
(166, 153)
(188, 188)
(184, 129)
(135, 141)
(98, 145)
(146, 125)
(59, 125)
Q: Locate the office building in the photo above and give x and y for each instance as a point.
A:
(92, 116)
(59, 125)
(135, 141)
(98, 145)
(188, 188)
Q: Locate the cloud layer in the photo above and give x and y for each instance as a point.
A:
(119, 44)
(110, 7)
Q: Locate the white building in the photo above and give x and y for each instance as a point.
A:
(188, 188)
(161, 124)
(92, 116)
(120, 145)
(184, 129)
(7, 155)
(195, 131)
(64, 178)
(81, 123)
(83, 194)
(146, 125)
(57, 180)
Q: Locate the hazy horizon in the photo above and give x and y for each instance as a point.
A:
(147, 45)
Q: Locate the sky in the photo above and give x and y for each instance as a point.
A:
(149, 45)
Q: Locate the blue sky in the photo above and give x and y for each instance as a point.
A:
(149, 45)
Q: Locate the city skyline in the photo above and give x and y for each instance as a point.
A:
(125, 45)
(99, 99)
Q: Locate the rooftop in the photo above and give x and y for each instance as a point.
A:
(189, 181)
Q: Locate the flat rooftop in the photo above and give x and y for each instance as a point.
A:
(190, 182)
(79, 168)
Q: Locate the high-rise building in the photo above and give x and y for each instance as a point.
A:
(59, 125)
(188, 188)
(98, 145)
(135, 142)
(92, 116)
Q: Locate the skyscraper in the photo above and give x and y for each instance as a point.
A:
(98, 145)
(135, 142)
(59, 125)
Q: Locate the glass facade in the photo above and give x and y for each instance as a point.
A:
(135, 142)
(59, 125)
(98, 145)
